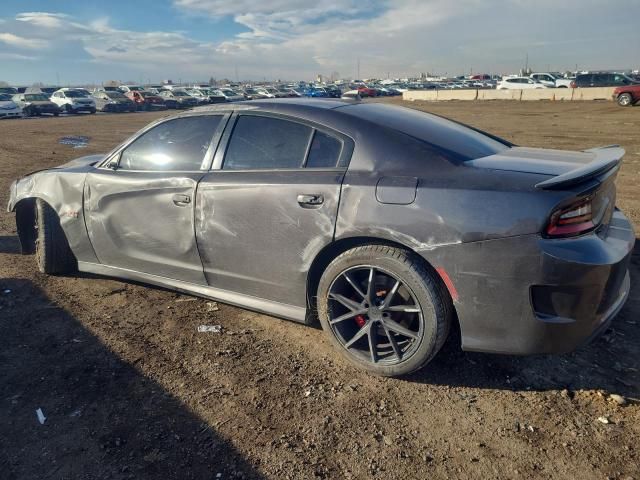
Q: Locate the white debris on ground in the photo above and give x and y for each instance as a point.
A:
(210, 328)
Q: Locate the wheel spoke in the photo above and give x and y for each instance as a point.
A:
(355, 286)
(396, 327)
(347, 302)
(347, 316)
(390, 295)
(373, 340)
(403, 308)
(392, 341)
(371, 286)
(359, 334)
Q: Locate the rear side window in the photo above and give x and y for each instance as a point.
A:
(175, 145)
(266, 143)
(324, 152)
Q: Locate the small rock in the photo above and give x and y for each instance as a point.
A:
(604, 420)
(387, 440)
(619, 399)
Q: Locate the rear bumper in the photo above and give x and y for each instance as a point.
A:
(530, 295)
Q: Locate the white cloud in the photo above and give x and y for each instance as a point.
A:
(43, 19)
(22, 42)
(293, 39)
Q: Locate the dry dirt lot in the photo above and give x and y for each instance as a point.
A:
(132, 391)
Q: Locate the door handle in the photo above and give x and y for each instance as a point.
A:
(310, 200)
(181, 200)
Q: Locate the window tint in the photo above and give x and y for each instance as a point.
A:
(179, 144)
(264, 142)
(324, 152)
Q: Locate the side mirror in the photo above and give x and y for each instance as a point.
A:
(113, 165)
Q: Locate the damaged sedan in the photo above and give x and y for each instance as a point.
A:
(386, 224)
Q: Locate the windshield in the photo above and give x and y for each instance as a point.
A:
(75, 94)
(116, 95)
(229, 93)
(5, 97)
(35, 97)
(180, 94)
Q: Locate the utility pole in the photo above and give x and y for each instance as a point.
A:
(237, 79)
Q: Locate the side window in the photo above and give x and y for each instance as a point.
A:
(264, 142)
(324, 152)
(175, 145)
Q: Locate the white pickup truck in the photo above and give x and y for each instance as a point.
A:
(551, 80)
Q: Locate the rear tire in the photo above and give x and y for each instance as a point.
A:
(625, 100)
(53, 254)
(402, 333)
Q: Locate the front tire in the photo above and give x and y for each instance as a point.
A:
(53, 254)
(384, 309)
(625, 100)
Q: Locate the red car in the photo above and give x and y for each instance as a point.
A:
(366, 91)
(146, 100)
(627, 95)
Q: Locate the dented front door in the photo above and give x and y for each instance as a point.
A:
(144, 222)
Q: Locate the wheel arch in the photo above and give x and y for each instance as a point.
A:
(26, 224)
(332, 250)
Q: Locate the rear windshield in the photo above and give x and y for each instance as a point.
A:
(458, 142)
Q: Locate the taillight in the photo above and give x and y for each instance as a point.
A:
(575, 219)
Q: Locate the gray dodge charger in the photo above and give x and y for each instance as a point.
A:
(385, 223)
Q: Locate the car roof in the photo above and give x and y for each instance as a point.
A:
(282, 105)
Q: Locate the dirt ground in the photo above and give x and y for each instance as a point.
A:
(131, 390)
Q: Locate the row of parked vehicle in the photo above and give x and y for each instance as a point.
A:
(34, 101)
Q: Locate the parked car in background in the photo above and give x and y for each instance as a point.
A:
(351, 95)
(131, 88)
(333, 91)
(598, 79)
(288, 92)
(145, 100)
(229, 95)
(366, 91)
(36, 104)
(113, 101)
(72, 100)
(182, 99)
(200, 95)
(48, 91)
(252, 93)
(627, 95)
(518, 83)
(551, 80)
(9, 108)
(9, 90)
(316, 92)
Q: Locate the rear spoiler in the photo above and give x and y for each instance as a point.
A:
(605, 159)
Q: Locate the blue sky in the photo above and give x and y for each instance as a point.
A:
(152, 40)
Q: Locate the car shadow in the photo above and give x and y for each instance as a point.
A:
(611, 362)
(9, 244)
(104, 418)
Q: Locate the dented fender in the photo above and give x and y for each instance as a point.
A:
(63, 189)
